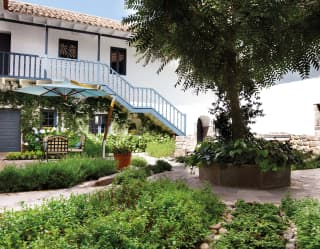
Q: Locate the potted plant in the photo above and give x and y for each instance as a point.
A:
(255, 164)
(122, 148)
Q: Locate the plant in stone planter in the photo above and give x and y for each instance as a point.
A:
(249, 163)
(122, 148)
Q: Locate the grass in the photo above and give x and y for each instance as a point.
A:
(158, 149)
(54, 175)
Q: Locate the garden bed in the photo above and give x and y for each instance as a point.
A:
(245, 176)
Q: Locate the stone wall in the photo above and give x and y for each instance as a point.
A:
(185, 145)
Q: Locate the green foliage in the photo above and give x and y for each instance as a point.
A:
(269, 155)
(254, 226)
(121, 144)
(234, 48)
(129, 174)
(136, 143)
(310, 162)
(138, 214)
(139, 162)
(54, 175)
(160, 166)
(27, 155)
(159, 150)
(305, 214)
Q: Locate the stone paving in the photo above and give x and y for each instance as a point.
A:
(304, 183)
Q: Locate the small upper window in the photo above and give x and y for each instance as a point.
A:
(68, 49)
(48, 118)
(118, 60)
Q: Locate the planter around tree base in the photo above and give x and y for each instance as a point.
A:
(245, 176)
(124, 160)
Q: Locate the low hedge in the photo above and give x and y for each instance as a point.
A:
(27, 155)
(305, 214)
(54, 175)
(138, 214)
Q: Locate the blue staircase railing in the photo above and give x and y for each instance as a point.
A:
(135, 99)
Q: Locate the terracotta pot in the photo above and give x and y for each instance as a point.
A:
(124, 160)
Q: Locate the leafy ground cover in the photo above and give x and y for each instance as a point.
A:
(306, 216)
(254, 226)
(54, 175)
(135, 214)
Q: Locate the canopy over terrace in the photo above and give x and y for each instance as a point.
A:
(65, 89)
(72, 89)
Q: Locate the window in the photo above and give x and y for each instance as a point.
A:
(68, 49)
(48, 118)
(118, 60)
(97, 124)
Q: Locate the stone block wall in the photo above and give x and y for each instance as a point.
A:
(306, 143)
(185, 145)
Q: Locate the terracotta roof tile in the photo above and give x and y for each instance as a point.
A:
(60, 14)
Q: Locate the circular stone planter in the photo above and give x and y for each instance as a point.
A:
(245, 176)
(123, 159)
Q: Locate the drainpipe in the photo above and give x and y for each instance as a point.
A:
(106, 130)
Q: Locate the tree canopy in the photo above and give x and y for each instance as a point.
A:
(234, 47)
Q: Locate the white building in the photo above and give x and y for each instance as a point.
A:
(41, 44)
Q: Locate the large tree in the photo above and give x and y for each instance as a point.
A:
(234, 47)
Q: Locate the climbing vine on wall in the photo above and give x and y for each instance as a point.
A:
(75, 113)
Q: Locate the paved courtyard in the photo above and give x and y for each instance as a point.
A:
(304, 183)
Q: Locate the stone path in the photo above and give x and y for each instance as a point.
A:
(304, 183)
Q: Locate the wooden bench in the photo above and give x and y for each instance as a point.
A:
(55, 145)
(80, 148)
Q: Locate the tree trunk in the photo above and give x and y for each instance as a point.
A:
(238, 127)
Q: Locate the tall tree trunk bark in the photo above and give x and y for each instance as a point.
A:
(238, 127)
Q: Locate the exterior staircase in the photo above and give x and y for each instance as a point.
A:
(134, 99)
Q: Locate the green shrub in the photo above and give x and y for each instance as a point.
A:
(139, 162)
(53, 175)
(28, 155)
(139, 214)
(160, 166)
(305, 214)
(269, 155)
(309, 162)
(129, 174)
(158, 150)
(254, 226)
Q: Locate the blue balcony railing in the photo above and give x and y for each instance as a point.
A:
(136, 99)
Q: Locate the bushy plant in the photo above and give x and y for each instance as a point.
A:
(137, 214)
(53, 175)
(139, 162)
(121, 144)
(305, 214)
(27, 155)
(269, 155)
(160, 166)
(161, 149)
(254, 226)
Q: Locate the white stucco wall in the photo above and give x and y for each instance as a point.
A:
(31, 40)
(289, 107)
(25, 38)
